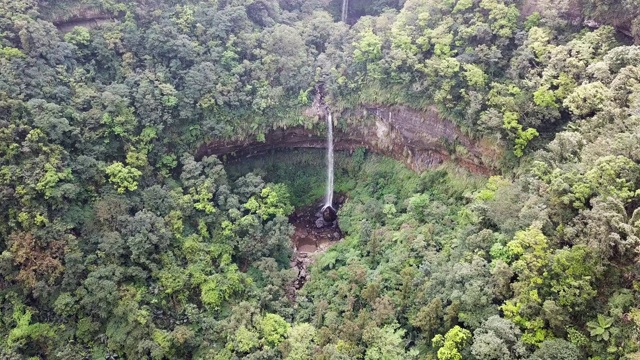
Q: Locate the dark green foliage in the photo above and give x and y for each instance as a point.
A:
(556, 349)
(116, 242)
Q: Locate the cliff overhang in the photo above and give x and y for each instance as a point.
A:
(420, 139)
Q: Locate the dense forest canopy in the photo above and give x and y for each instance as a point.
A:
(117, 242)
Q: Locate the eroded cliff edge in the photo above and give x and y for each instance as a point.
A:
(420, 139)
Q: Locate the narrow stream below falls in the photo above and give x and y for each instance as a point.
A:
(312, 237)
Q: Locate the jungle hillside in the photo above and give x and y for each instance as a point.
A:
(155, 155)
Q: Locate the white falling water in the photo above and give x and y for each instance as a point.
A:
(345, 10)
(328, 199)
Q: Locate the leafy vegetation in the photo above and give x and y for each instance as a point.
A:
(116, 242)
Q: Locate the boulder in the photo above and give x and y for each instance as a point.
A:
(329, 214)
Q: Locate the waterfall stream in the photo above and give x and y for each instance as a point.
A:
(345, 10)
(328, 200)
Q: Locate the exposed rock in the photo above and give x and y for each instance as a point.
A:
(89, 24)
(312, 236)
(329, 214)
(421, 139)
(81, 15)
(592, 24)
(574, 12)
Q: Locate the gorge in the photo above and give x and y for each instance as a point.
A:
(319, 179)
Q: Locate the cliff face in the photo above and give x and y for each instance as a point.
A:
(66, 18)
(587, 13)
(420, 139)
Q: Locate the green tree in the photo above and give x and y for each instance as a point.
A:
(123, 177)
(497, 339)
(522, 137)
(385, 343)
(272, 201)
(588, 99)
(274, 329)
(300, 342)
(24, 332)
(556, 349)
(451, 345)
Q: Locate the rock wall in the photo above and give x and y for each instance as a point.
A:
(84, 15)
(68, 26)
(421, 139)
(580, 13)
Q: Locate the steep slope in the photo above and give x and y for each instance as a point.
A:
(421, 139)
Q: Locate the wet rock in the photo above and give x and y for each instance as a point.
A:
(329, 214)
(312, 236)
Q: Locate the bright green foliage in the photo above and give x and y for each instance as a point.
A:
(474, 75)
(274, 329)
(123, 123)
(189, 262)
(450, 345)
(522, 137)
(505, 17)
(51, 178)
(462, 5)
(300, 342)
(168, 163)
(385, 343)
(23, 332)
(533, 20)
(588, 99)
(614, 176)
(246, 340)
(529, 248)
(369, 48)
(185, 18)
(78, 36)
(11, 53)
(216, 289)
(172, 279)
(202, 197)
(137, 159)
(545, 97)
(273, 201)
(504, 98)
(538, 41)
(123, 177)
(610, 176)
(163, 339)
(534, 327)
(528, 245)
(489, 191)
(572, 274)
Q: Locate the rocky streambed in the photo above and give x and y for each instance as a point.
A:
(312, 237)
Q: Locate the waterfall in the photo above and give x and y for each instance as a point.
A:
(345, 10)
(328, 200)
